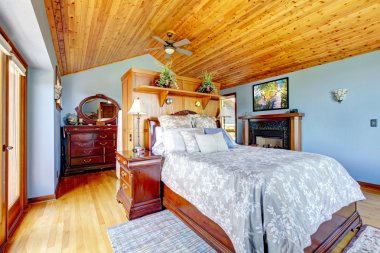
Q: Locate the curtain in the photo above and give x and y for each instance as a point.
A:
(14, 134)
(2, 161)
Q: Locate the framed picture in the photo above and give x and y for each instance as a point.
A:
(58, 90)
(272, 95)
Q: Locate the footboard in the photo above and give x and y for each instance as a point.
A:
(326, 238)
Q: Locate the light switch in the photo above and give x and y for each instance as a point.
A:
(373, 122)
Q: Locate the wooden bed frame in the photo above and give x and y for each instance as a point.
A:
(324, 239)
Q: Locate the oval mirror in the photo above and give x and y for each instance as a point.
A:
(98, 109)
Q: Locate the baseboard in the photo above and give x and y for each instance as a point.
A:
(369, 186)
(41, 198)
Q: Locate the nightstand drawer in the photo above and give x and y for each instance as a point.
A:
(125, 175)
(126, 188)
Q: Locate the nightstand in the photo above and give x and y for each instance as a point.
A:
(140, 183)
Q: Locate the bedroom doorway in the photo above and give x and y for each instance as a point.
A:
(229, 123)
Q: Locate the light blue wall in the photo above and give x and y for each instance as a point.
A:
(44, 160)
(41, 144)
(102, 80)
(341, 131)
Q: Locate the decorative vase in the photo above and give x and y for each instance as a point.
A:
(71, 119)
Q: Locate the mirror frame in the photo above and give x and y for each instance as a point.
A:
(86, 119)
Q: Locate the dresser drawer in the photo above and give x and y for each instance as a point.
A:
(125, 175)
(87, 160)
(126, 188)
(82, 137)
(104, 143)
(111, 158)
(105, 136)
(82, 144)
(86, 152)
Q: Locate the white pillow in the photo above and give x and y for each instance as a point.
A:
(209, 143)
(158, 134)
(190, 141)
(173, 140)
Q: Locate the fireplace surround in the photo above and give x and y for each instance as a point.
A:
(287, 127)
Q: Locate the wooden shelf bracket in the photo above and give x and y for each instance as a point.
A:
(162, 96)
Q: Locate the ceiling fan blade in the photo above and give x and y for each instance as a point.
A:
(160, 40)
(152, 49)
(183, 51)
(167, 56)
(182, 43)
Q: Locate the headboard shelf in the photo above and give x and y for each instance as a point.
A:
(140, 83)
(164, 92)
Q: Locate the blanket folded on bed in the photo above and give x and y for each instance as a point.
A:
(262, 197)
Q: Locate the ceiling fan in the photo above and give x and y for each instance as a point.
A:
(171, 46)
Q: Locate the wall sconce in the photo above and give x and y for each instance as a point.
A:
(339, 94)
(169, 101)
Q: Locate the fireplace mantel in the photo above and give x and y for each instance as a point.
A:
(295, 120)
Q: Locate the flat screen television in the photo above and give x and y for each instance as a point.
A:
(272, 95)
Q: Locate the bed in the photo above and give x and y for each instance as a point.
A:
(213, 224)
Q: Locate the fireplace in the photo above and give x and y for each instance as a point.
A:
(270, 134)
(272, 129)
(269, 138)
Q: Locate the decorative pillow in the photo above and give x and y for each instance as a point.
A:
(172, 121)
(159, 149)
(173, 140)
(210, 143)
(158, 133)
(190, 141)
(205, 122)
(227, 138)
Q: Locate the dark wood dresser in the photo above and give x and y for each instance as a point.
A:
(140, 183)
(88, 148)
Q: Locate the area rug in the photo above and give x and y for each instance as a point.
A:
(158, 232)
(367, 240)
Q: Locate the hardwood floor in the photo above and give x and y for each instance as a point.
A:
(78, 220)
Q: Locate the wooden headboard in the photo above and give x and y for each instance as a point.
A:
(152, 123)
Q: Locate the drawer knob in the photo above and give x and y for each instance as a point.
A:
(87, 152)
(103, 136)
(87, 161)
(103, 143)
(125, 186)
(123, 174)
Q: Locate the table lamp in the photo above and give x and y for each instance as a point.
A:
(223, 114)
(136, 109)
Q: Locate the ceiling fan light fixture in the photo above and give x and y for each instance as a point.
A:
(169, 50)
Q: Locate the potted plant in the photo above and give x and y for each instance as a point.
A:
(207, 85)
(167, 78)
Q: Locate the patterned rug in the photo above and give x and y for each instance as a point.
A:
(158, 232)
(367, 240)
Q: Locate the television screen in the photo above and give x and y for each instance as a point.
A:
(272, 95)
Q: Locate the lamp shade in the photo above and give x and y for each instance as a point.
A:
(136, 107)
(224, 112)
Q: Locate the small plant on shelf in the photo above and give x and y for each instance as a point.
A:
(167, 78)
(207, 85)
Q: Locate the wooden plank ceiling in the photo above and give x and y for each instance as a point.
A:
(239, 40)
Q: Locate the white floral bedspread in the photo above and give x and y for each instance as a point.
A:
(262, 195)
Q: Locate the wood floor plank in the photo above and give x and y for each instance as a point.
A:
(78, 220)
